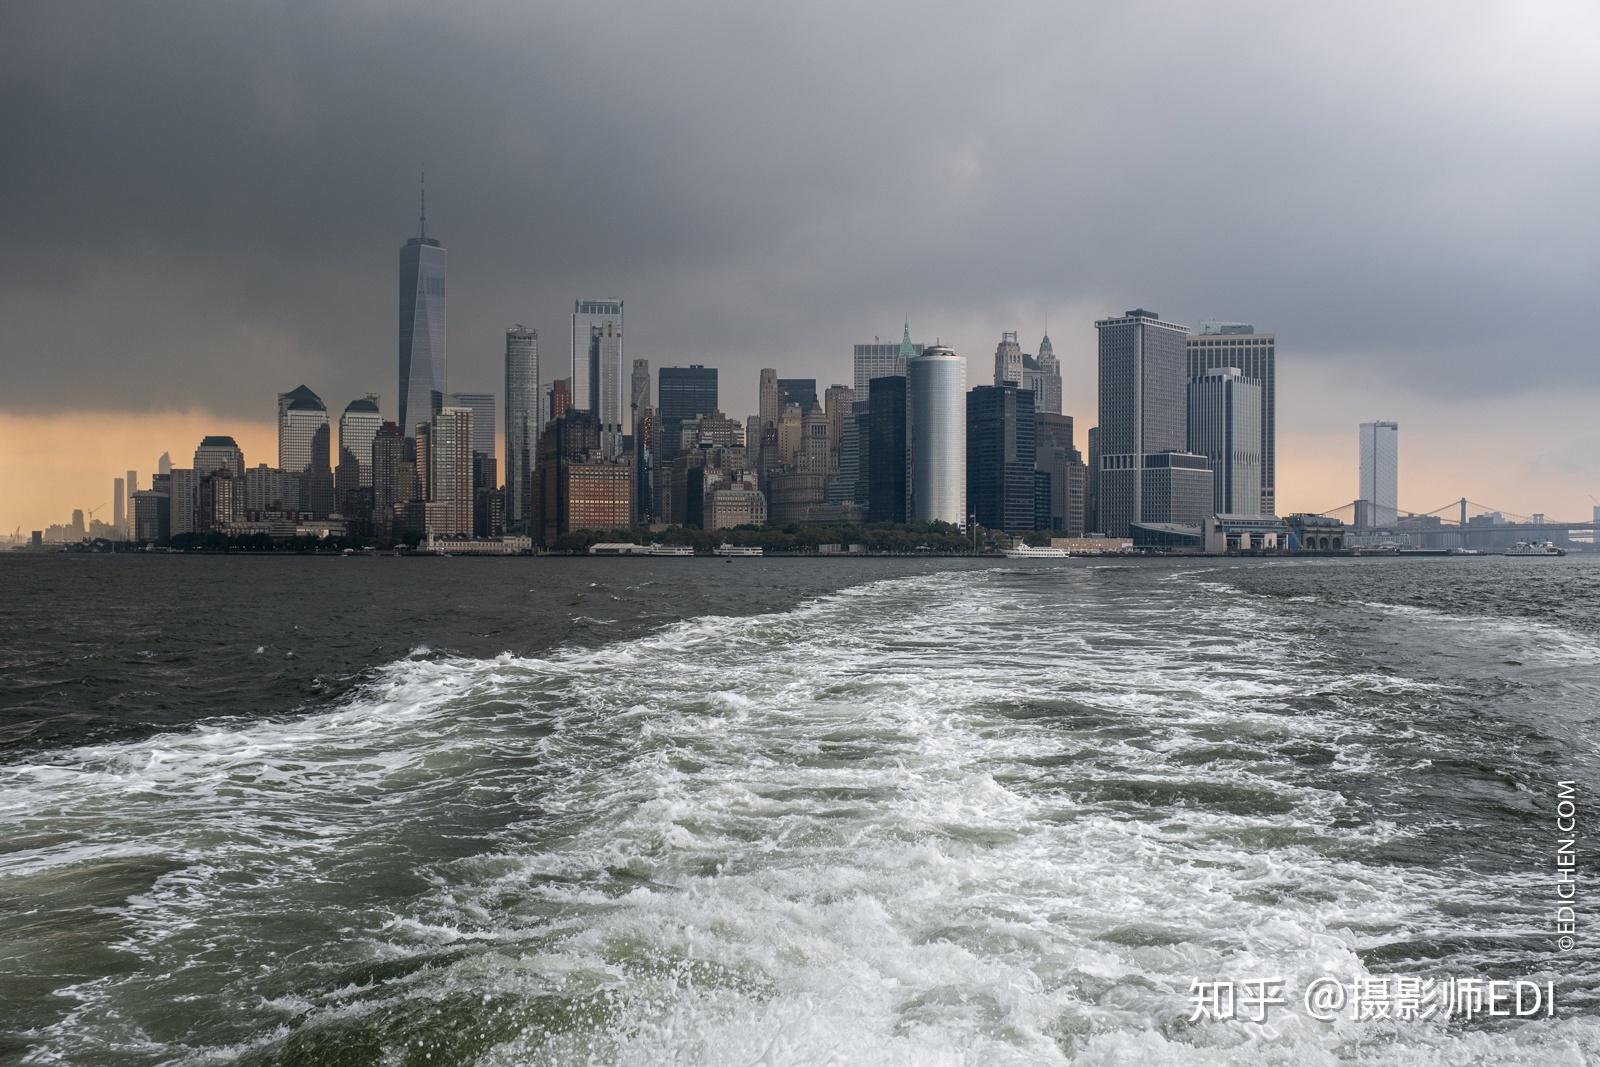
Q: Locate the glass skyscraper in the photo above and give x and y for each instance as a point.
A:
(1237, 344)
(1143, 410)
(524, 421)
(1380, 473)
(1225, 427)
(683, 394)
(358, 427)
(422, 332)
(597, 354)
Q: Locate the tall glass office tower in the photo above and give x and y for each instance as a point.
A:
(1380, 473)
(422, 312)
(524, 421)
(1144, 411)
(597, 355)
(358, 428)
(1237, 344)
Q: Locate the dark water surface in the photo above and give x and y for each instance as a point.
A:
(291, 810)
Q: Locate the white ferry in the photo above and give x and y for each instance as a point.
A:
(671, 550)
(1534, 548)
(726, 549)
(1032, 552)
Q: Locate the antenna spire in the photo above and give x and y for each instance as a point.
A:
(422, 219)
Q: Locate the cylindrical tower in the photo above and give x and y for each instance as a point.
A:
(937, 384)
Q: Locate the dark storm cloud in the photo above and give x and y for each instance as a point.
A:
(203, 201)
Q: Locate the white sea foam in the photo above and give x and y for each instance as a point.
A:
(950, 819)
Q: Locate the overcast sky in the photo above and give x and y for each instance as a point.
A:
(203, 202)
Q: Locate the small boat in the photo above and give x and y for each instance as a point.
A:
(1534, 548)
(671, 550)
(1033, 552)
(1466, 552)
(726, 549)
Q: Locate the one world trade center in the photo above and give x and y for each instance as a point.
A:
(422, 354)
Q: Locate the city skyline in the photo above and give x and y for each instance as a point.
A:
(167, 291)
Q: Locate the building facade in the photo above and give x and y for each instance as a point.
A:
(936, 387)
(597, 359)
(880, 359)
(1001, 455)
(422, 327)
(1045, 379)
(1237, 344)
(1058, 458)
(888, 453)
(524, 421)
(449, 473)
(683, 394)
(302, 430)
(1008, 360)
(1176, 488)
(218, 452)
(1225, 427)
(1380, 472)
(358, 427)
(638, 394)
(1143, 410)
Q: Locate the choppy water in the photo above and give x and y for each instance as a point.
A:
(975, 816)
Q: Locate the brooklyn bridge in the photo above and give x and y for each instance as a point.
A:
(1460, 524)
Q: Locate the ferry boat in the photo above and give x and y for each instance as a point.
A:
(671, 550)
(726, 549)
(1534, 548)
(1032, 552)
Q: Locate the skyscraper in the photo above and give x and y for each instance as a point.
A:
(524, 422)
(449, 459)
(597, 354)
(183, 501)
(1143, 410)
(217, 452)
(837, 402)
(799, 391)
(1047, 384)
(303, 446)
(1237, 344)
(119, 507)
(422, 325)
(1008, 360)
(358, 427)
(1000, 457)
(1058, 458)
(1225, 427)
(301, 415)
(880, 360)
(888, 449)
(683, 393)
(483, 420)
(639, 394)
(874, 360)
(936, 383)
(1380, 472)
(130, 485)
(769, 405)
(391, 480)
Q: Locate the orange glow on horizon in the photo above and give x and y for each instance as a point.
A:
(50, 464)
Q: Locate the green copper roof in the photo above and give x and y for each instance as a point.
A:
(907, 350)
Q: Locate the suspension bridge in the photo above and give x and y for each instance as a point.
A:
(1461, 523)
